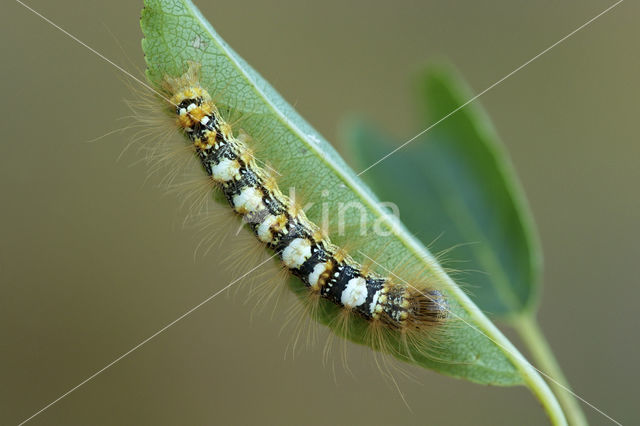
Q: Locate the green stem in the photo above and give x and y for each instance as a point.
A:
(532, 379)
(530, 333)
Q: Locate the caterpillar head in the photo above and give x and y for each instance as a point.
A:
(192, 102)
(192, 105)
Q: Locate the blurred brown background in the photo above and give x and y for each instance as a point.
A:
(93, 260)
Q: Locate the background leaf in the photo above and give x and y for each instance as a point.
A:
(460, 193)
(459, 187)
(175, 32)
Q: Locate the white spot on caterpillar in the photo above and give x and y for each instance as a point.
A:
(374, 302)
(183, 111)
(205, 120)
(355, 293)
(314, 276)
(191, 107)
(296, 253)
(248, 201)
(264, 230)
(226, 170)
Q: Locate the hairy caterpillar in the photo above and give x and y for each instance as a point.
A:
(281, 185)
(326, 270)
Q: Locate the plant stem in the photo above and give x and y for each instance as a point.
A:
(532, 379)
(530, 333)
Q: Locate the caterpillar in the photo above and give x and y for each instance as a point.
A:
(327, 271)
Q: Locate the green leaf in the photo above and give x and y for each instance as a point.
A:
(461, 192)
(175, 32)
